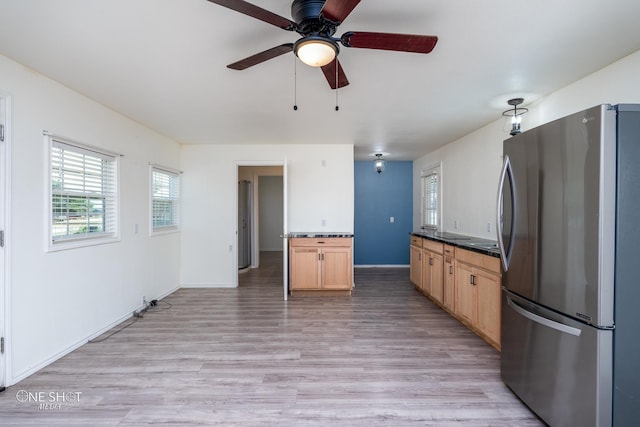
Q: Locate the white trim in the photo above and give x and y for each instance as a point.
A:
(165, 168)
(5, 254)
(70, 141)
(435, 168)
(73, 243)
(254, 240)
(209, 285)
(175, 228)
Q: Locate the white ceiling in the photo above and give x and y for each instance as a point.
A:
(163, 63)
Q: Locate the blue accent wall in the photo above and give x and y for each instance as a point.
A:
(377, 198)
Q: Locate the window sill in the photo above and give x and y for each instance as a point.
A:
(64, 245)
(163, 231)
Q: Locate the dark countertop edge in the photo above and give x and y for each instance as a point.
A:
(460, 243)
(326, 235)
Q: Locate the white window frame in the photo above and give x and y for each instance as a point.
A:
(111, 214)
(174, 197)
(426, 213)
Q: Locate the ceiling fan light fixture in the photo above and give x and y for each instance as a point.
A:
(316, 51)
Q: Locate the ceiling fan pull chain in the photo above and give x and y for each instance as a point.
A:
(295, 84)
(337, 86)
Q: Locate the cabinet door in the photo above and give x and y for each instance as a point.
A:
(465, 298)
(426, 271)
(415, 265)
(437, 277)
(336, 268)
(448, 285)
(488, 291)
(304, 271)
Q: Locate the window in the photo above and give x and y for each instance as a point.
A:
(83, 199)
(431, 198)
(165, 200)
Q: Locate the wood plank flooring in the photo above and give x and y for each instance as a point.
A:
(385, 356)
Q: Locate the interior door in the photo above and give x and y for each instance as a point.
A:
(285, 229)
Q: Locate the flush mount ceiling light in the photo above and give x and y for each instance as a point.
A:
(516, 115)
(315, 50)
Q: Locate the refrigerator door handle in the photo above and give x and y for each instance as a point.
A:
(542, 320)
(506, 173)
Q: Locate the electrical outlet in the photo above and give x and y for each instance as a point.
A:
(488, 227)
(144, 301)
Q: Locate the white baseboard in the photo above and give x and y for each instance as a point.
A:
(208, 285)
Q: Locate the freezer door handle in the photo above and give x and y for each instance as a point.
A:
(542, 320)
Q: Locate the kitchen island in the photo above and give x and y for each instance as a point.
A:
(320, 263)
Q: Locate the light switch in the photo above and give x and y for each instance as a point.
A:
(392, 219)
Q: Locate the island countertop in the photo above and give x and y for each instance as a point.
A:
(318, 235)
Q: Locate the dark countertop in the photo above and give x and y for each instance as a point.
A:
(476, 244)
(322, 235)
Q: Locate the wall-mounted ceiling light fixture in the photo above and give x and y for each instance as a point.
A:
(516, 115)
(379, 162)
(315, 50)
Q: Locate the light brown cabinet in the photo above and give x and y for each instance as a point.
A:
(432, 269)
(320, 264)
(415, 261)
(477, 293)
(463, 282)
(448, 282)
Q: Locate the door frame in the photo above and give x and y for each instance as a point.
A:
(5, 197)
(254, 242)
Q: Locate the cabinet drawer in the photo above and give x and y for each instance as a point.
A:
(449, 250)
(320, 241)
(433, 246)
(479, 260)
(416, 241)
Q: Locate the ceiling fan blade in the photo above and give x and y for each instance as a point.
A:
(257, 12)
(337, 10)
(389, 41)
(261, 57)
(335, 81)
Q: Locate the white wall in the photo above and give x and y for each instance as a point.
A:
(471, 165)
(320, 182)
(60, 299)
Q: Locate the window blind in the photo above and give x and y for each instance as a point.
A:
(430, 200)
(165, 199)
(83, 192)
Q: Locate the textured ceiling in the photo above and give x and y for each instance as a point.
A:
(163, 63)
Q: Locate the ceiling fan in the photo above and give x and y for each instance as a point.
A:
(316, 21)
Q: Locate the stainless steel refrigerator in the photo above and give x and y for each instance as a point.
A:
(569, 238)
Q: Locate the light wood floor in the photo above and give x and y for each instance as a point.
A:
(385, 356)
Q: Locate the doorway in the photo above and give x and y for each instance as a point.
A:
(262, 232)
